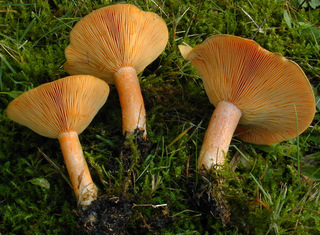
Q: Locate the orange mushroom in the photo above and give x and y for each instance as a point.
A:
(263, 92)
(115, 43)
(63, 109)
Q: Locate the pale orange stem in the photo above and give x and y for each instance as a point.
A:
(215, 146)
(77, 167)
(131, 100)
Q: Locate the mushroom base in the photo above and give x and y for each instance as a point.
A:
(77, 167)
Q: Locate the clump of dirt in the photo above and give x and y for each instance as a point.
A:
(110, 215)
(207, 197)
(132, 146)
(105, 216)
(132, 150)
(137, 140)
(212, 194)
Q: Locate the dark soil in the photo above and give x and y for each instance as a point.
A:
(206, 197)
(105, 216)
(132, 150)
(128, 146)
(111, 214)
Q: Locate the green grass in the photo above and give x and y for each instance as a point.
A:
(265, 192)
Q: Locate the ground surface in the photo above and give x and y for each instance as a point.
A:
(156, 188)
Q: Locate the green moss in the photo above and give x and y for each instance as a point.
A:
(265, 192)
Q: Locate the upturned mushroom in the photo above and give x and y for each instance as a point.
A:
(259, 95)
(63, 109)
(115, 43)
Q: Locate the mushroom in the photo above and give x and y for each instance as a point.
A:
(115, 43)
(260, 96)
(63, 109)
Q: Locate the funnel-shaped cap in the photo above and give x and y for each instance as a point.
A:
(67, 104)
(270, 90)
(112, 37)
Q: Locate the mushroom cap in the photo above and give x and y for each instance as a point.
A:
(112, 37)
(272, 92)
(67, 104)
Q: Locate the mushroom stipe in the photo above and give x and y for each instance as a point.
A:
(132, 106)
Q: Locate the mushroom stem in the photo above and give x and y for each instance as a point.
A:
(77, 167)
(223, 123)
(131, 101)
